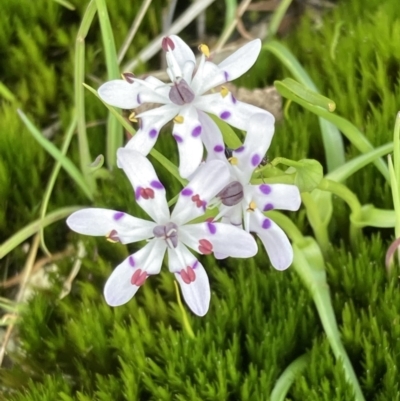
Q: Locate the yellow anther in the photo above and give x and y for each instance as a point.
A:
(224, 91)
(252, 206)
(233, 161)
(132, 117)
(205, 50)
(179, 120)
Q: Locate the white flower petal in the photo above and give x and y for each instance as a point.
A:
(212, 138)
(152, 90)
(101, 222)
(207, 76)
(224, 239)
(151, 123)
(149, 191)
(241, 61)
(188, 136)
(260, 131)
(208, 180)
(181, 52)
(228, 109)
(119, 288)
(274, 239)
(120, 93)
(192, 278)
(276, 196)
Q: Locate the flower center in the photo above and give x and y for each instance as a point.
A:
(169, 233)
(232, 194)
(181, 93)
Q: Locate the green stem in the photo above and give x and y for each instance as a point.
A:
(53, 178)
(84, 152)
(343, 192)
(286, 224)
(286, 379)
(319, 228)
(114, 129)
(34, 227)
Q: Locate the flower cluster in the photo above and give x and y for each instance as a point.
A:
(223, 181)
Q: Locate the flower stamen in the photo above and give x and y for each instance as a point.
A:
(204, 49)
(179, 120)
(252, 206)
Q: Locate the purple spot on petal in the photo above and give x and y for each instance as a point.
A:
(138, 99)
(225, 115)
(226, 75)
(195, 264)
(211, 227)
(178, 138)
(265, 189)
(131, 261)
(197, 131)
(118, 215)
(218, 148)
(233, 99)
(266, 224)
(255, 160)
(241, 149)
(186, 192)
(153, 133)
(140, 124)
(268, 206)
(156, 184)
(137, 193)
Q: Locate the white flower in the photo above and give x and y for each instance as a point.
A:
(168, 232)
(244, 202)
(184, 101)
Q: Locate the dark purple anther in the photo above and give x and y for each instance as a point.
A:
(232, 194)
(167, 44)
(181, 93)
(128, 77)
(228, 153)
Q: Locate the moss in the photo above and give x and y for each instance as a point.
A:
(260, 320)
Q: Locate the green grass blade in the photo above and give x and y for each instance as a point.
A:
(34, 227)
(309, 95)
(114, 130)
(347, 170)
(309, 264)
(53, 177)
(331, 137)
(65, 4)
(277, 17)
(66, 163)
(352, 133)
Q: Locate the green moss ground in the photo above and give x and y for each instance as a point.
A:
(260, 320)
